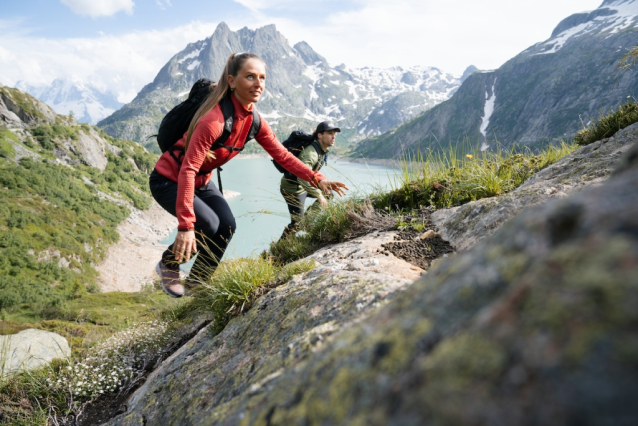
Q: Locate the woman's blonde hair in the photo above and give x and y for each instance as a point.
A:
(234, 64)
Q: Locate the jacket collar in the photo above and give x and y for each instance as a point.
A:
(240, 110)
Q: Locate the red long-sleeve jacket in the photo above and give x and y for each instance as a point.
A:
(209, 128)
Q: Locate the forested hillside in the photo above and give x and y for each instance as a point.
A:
(64, 188)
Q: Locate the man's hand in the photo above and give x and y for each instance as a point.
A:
(326, 186)
(322, 201)
(184, 245)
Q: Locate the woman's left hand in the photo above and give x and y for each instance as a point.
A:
(327, 185)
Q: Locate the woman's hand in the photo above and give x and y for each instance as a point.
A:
(326, 186)
(184, 245)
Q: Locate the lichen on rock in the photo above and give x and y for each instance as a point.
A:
(535, 324)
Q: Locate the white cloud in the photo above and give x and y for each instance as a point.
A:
(96, 8)
(124, 63)
(450, 35)
(163, 4)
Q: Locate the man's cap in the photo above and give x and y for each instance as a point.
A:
(324, 126)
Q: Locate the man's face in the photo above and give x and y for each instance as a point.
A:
(326, 139)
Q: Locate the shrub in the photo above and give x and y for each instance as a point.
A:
(606, 125)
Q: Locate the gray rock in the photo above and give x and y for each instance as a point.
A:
(534, 325)
(286, 327)
(91, 148)
(28, 110)
(466, 225)
(30, 349)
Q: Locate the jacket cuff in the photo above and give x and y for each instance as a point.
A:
(184, 228)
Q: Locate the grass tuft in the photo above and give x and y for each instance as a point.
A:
(448, 180)
(234, 286)
(607, 125)
(295, 268)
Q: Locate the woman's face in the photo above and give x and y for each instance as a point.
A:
(250, 82)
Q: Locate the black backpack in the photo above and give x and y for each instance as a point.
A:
(176, 122)
(296, 142)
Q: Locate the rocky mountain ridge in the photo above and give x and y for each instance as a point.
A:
(546, 92)
(532, 322)
(302, 88)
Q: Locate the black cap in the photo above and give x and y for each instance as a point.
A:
(324, 126)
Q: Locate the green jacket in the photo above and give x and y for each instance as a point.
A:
(311, 158)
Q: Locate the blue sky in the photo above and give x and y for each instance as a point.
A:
(121, 44)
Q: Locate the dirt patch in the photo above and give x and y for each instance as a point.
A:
(130, 263)
(417, 242)
(419, 252)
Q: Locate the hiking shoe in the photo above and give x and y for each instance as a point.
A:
(170, 280)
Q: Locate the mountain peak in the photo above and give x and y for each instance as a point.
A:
(307, 53)
(468, 72)
(612, 17)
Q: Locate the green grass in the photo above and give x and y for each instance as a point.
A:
(438, 180)
(607, 125)
(7, 139)
(443, 181)
(91, 317)
(236, 284)
(628, 61)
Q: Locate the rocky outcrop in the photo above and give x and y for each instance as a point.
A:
(91, 147)
(30, 349)
(464, 226)
(535, 324)
(19, 109)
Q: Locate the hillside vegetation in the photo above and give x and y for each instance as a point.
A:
(56, 220)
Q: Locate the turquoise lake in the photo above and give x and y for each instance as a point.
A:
(260, 210)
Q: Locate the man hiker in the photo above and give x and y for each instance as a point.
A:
(295, 191)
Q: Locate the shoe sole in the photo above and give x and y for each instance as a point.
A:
(167, 291)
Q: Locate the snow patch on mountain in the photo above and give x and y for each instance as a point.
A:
(622, 14)
(488, 110)
(193, 54)
(193, 65)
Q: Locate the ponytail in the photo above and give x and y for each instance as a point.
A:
(234, 64)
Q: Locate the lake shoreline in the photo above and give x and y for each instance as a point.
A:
(334, 159)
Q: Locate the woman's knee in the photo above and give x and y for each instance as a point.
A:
(228, 226)
(212, 225)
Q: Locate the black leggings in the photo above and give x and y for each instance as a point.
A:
(214, 223)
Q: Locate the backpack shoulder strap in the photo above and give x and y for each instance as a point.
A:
(320, 153)
(255, 127)
(228, 111)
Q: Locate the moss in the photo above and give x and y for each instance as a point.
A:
(460, 360)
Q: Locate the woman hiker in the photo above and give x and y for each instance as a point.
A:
(181, 182)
